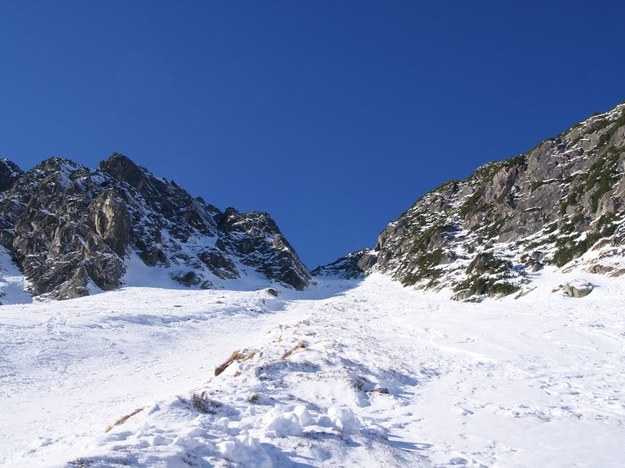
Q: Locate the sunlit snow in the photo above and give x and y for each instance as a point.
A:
(345, 373)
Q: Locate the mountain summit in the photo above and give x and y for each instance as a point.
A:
(560, 204)
(70, 229)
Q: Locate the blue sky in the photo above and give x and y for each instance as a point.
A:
(333, 116)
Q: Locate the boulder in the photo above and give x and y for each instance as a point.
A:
(577, 288)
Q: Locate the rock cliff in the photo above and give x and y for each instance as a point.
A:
(70, 229)
(560, 204)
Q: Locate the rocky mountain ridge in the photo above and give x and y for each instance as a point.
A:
(559, 204)
(71, 229)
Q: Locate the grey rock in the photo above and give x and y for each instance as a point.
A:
(9, 173)
(548, 205)
(577, 289)
(260, 244)
(69, 227)
(218, 263)
(190, 278)
(352, 266)
(112, 221)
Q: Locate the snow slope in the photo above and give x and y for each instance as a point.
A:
(344, 374)
(13, 285)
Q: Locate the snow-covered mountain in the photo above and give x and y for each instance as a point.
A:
(71, 229)
(561, 203)
(195, 362)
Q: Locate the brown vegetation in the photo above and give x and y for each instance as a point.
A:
(122, 420)
(235, 356)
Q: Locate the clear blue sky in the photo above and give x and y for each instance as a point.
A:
(334, 116)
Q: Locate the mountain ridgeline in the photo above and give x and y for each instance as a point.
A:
(70, 229)
(560, 204)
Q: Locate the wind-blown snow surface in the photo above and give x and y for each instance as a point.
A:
(346, 373)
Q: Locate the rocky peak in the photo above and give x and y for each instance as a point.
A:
(351, 266)
(124, 169)
(70, 228)
(9, 173)
(255, 235)
(560, 203)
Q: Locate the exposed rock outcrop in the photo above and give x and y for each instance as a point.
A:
(485, 235)
(352, 266)
(9, 173)
(258, 242)
(577, 288)
(70, 228)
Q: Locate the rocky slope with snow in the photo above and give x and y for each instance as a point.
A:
(560, 203)
(71, 229)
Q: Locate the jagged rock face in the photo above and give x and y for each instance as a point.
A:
(481, 236)
(9, 173)
(352, 266)
(259, 241)
(49, 225)
(68, 227)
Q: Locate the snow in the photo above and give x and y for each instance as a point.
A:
(12, 282)
(580, 283)
(346, 373)
(138, 274)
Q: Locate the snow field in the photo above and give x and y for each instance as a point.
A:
(344, 374)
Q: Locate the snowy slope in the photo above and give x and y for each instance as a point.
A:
(12, 282)
(347, 373)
